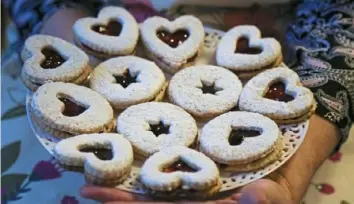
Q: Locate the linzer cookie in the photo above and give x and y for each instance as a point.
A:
(180, 171)
(129, 80)
(65, 110)
(153, 126)
(173, 45)
(205, 90)
(50, 59)
(278, 94)
(241, 141)
(106, 159)
(243, 51)
(113, 33)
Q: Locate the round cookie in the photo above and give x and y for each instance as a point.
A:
(153, 126)
(278, 94)
(180, 171)
(50, 59)
(243, 51)
(129, 80)
(113, 33)
(66, 110)
(205, 90)
(238, 139)
(172, 45)
(106, 159)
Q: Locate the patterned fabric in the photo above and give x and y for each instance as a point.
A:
(321, 50)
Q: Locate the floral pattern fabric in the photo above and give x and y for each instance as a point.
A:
(318, 45)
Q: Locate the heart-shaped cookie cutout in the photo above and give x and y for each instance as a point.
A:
(174, 41)
(277, 93)
(114, 32)
(103, 157)
(48, 58)
(179, 166)
(260, 52)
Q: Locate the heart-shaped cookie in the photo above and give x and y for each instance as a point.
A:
(106, 159)
(153, 126)
(172, 44)
(261, 53)
(113, 33)
(278, 94)
(241, 138)
(180, 169)
(66, 110)
(50, 59)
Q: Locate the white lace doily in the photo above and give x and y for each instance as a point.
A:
(293, 135)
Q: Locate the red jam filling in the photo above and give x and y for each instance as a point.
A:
(242, 47)
(237, 136)
(159, 128)
(52, 59)
(126, 79)
(113, 28)
(71, 108)
(178, 166)
(101, 153)
(173, 39)
(277, 92)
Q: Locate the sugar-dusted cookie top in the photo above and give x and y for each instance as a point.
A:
(228, 56)
(51, 59)
(153, 126)
(238, 137)
(179, 166)
(205, 90)
(174, 41)
(113, 32)
(128, 80)
(276, 93)
(71, 108)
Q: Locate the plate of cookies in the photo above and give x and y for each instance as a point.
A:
(174, 109)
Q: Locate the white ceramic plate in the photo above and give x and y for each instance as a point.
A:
(293, 135)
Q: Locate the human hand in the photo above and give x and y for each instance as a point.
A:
(258, 192)
(284, 186)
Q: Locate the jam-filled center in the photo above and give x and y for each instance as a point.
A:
(52, 59)
(101, 153)
(113, 28)
(71, 108)
(159, 128)
(209, 88)
(237, 136)
(173, 39)
(179, 165)
(276, 91)
(126, 79)
(242, 46)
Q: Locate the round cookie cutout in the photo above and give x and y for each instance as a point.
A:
(71, 109)
(216, 142)
(153, 126)
(205, 90)
(126, 81)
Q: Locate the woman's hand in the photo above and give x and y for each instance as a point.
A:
(286, 185)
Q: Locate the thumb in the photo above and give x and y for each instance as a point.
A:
(264, 191)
